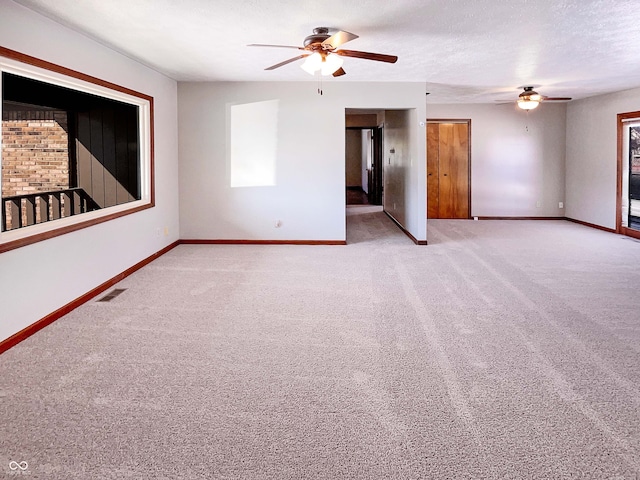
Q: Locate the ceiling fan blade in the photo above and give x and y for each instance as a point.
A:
(556, 99)
(281, 64)
(379, 57)
(339, 38)
(339, 72)
(276, 46)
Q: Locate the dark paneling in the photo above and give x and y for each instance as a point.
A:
(134, 173)
(97, 157)
(110, 172)
(83, 149)
(108, 153)
(121, 150)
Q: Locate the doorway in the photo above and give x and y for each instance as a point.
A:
(628, 181)
(448, 169)
(364, 165)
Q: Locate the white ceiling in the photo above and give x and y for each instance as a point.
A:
(464, 50)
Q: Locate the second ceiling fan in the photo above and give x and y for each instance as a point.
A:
(530, 99)
(322, 53)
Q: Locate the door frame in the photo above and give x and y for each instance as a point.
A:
(620, 153)
(456, 120)
(375, 189)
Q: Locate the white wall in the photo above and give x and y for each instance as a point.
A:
(309, 195)
(517, 159)
(398, 161)
(40, 278)
(592, 155)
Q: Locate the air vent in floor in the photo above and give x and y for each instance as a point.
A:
(112, 294)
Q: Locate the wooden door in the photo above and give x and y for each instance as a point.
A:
(448, 170)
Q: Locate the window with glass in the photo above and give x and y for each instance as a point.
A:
(75, 150)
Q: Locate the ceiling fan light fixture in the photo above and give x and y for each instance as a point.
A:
(312, 63)
(529, 99)
(321, 54)
(331, 63)
(326, 64)
(527, 104)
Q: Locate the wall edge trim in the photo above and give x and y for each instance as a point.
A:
(592, 225)
(586, 224)
(405, 231)
(519, 218)
(192, 241)
(26, 332)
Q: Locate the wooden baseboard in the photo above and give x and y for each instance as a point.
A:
(630, 232)
(592, 225)
(520, 218)
(52, 317)
(18, 337)
(405, 231)
(586, 224)
(261, 242)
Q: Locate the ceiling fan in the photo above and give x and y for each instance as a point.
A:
(530, 99)
(322, 54)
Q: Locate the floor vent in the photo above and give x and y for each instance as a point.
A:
(112, 294)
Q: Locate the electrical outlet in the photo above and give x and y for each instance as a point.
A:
(560, 204)
(538, 204)
(166, 231)
(278, 224)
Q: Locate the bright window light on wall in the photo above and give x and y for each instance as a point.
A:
(253, 130)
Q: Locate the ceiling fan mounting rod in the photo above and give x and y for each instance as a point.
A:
(320, 34)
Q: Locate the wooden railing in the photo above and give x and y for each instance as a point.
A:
(24, 210)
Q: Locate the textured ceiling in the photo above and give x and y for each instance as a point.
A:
(464, 50)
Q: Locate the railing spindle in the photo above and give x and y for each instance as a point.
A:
(24, 210)
(56, 206)
(42, 209)
(30, 210)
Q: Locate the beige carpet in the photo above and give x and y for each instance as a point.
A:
(503, 349)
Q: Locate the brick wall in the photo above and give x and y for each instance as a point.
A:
(35, 151)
